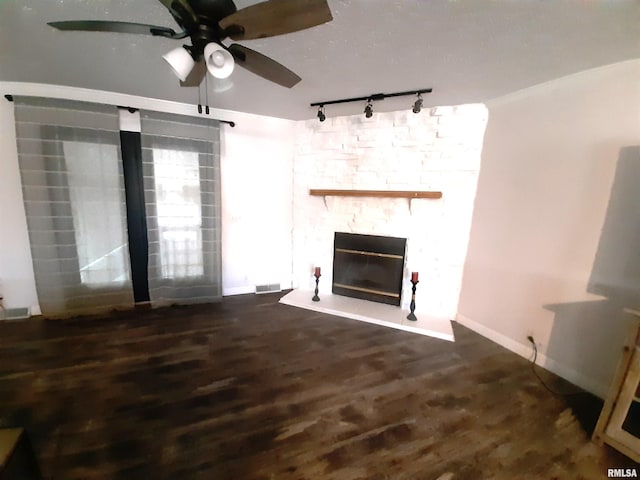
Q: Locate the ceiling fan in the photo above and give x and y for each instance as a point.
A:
(209, 22)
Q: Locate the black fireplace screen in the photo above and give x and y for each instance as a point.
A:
(368, 267)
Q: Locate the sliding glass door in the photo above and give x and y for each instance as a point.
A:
(116, 216)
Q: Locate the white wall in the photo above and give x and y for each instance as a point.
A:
(438, 149)
(17, 285)
(256, 169)
(548, 165)
(257, 166)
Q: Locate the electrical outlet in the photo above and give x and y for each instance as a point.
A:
(533, 342)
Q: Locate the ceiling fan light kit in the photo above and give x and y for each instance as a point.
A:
(219, 61)
(209, 22)
(368, 109)
(180, 61)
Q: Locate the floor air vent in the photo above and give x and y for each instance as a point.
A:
(270, 288)
(14, 313)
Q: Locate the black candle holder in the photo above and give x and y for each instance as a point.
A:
(412, 306)
(316, 298)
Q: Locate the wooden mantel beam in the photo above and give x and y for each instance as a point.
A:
(375, 193)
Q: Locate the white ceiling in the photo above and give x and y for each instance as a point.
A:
(467, 50)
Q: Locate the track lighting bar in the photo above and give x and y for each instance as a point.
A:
(372, 97)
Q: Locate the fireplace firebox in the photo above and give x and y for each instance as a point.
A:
(369, 267)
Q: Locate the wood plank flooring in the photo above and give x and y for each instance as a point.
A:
(252, 389)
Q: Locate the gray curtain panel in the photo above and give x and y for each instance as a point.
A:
(73, 189)
(181, 165)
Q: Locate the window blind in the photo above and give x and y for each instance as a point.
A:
(73, 190)
(181, 168)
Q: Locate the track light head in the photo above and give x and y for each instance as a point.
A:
(368, 109)
(417, 105)
(321, 116)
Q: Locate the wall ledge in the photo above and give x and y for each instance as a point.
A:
(375, 193)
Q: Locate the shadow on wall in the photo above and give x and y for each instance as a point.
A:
(600, 326)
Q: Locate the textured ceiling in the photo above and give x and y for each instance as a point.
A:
(467, 50)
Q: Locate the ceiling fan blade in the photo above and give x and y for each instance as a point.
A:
(275, 17)
(118, 27)
(194, 79)
(263, 66)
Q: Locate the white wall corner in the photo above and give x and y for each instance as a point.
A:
(583, 381)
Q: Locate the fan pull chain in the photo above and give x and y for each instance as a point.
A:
(206, 91)
(199, 102)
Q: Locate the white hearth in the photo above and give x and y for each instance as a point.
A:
(371, 312)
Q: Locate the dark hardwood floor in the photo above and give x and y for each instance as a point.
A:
(251, 389)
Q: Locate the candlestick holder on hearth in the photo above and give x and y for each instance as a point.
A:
(316, 274)
(412, 305)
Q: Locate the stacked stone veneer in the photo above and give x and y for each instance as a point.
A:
(438, 149)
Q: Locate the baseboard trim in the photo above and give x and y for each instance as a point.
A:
(238, 290)
(524, 350)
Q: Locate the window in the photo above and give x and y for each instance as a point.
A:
(97, 204)
(179, 212)
(181, 171)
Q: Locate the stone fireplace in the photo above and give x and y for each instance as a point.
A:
(369, 267)
(436, 150)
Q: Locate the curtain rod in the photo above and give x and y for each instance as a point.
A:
(132, 110)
